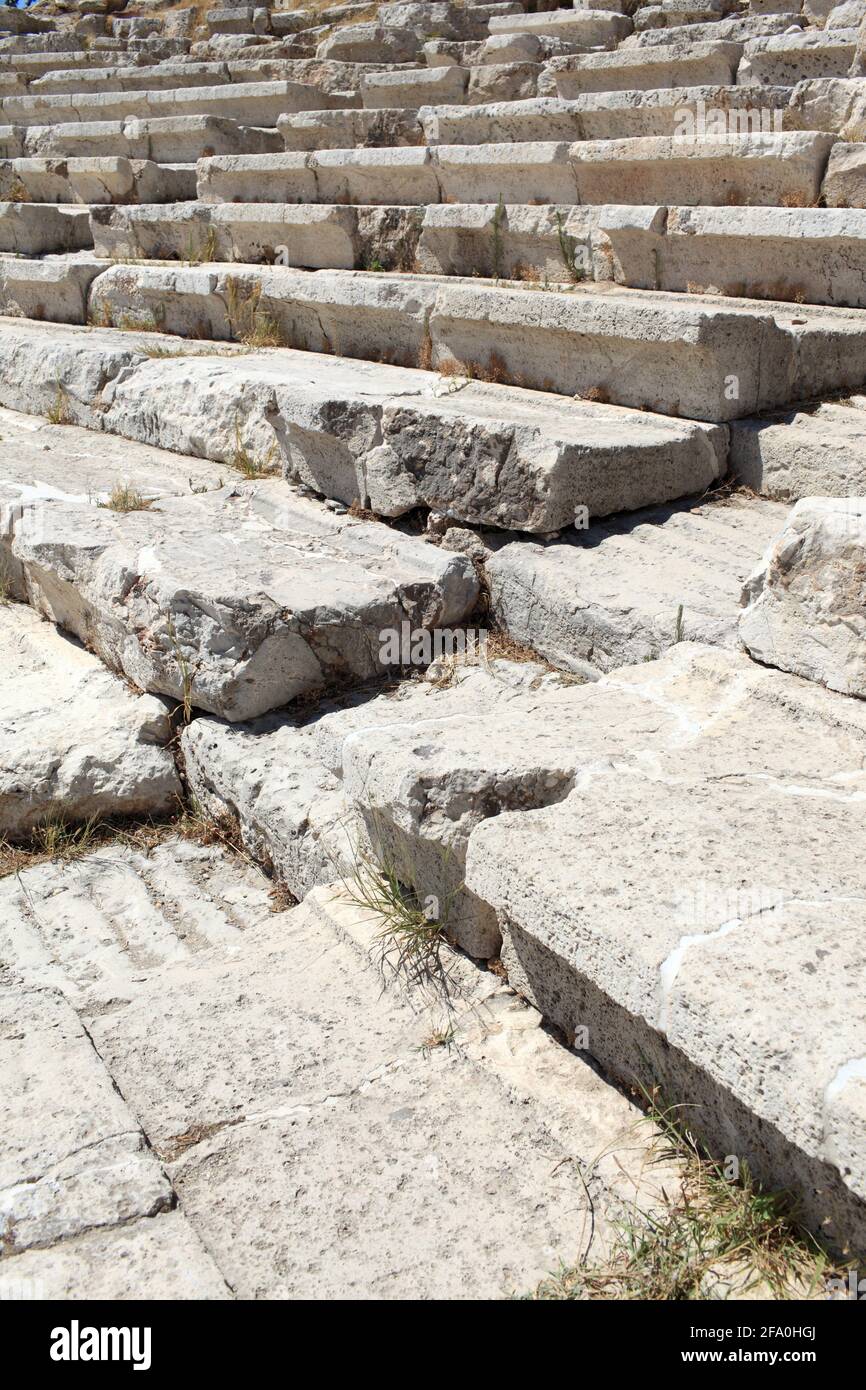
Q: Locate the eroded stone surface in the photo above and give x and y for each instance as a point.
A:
(73, 1158)
(76, 742)
(805, 603)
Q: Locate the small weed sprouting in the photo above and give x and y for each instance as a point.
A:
(410, 939)
(59, 413)
(712, 1231)
(678, 626)
(568, 251)
(248, 464)
(185, 672)
(204, 252)
(124, 498)
(51, 838)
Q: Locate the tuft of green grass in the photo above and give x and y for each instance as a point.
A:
(248, 464)
(124, 498)
(52, 838)
(59, 413)
(184, 669)
(568, 251)
(409, 942)
(711, 1231)
(204, 252)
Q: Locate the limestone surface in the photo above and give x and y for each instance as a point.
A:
(76, 742)
(805, 603)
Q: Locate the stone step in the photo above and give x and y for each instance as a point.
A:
(667, 16)
(707, 957)
(32, 229)
(629, 589)
(286, 1108)
(74, 1157)
(696, 356)
(350, 129)
(111, 179)
(75, 81)
(819, 452)
(594, 28)
(164, 139)
(55, 288)
(700, 64)
(803, 255)
(108, 924)
(687, 112)
(525, 460)
(791, 58)
(250, 103)
(76, 742)
(744, 169)
(165, 596)
(408, 87)
(501, 50)
(734, 29)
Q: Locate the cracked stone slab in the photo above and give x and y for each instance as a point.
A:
(154, 1258)
(72, 1157)
(109, 179)
(394, 438)
(98, 928)
(237, 600)
(626, 590)
(805, 602)
(719, 951)
(405, 776)
(76, 742)
(283, 1067)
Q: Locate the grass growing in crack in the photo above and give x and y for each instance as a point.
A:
(710, 1231)
(205, 251)
(410, 941)
(568, 251)
(249, 323)
(59, 413)
(124, 498)
(56, 839)
(185, 672)
(51, 838)
(248, 464)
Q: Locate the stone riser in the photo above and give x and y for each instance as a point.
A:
(816, 256)
(166, 139)
(703, 357)
(254, 103)
(32, 229)
(754, 170)
(94, 180)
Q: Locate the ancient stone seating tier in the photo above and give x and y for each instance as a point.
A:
(432, 445)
